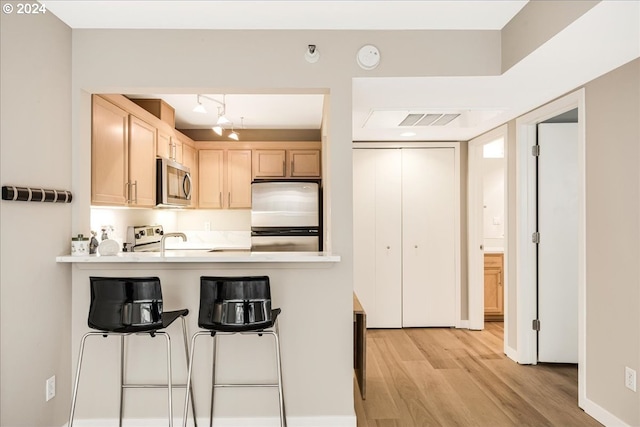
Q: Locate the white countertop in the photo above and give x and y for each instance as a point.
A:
(200, 256)
(493, 250)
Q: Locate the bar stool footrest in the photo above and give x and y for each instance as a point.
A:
(245, 385)
(153, 386)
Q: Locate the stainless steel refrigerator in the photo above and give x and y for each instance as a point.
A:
(286, 216)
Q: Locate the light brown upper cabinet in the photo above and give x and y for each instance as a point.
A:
(190, 160)
(224, 179)
(169, 147)
(270, 163)
(123, 151)
(304, 163)
(281, 163)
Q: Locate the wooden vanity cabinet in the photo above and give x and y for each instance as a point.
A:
(224, 179)
(493, 287)
(123, 150)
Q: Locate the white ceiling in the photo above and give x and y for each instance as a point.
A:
(604, 38)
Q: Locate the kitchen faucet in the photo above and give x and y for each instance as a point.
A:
(164, 236)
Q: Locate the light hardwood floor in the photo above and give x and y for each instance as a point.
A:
(456, 377)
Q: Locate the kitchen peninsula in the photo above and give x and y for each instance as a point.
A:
(301, 285)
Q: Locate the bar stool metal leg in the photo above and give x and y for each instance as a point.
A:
(283, 419)
(122, 343)
(186, 355)
(169, 379)
(77, 380)
(214, 351)
(189, 371)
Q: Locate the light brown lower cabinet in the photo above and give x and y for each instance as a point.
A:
(493, 287)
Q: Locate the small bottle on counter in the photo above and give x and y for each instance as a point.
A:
(93, 243)
(79, 245)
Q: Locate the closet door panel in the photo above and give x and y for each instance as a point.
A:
(377, 235)
(428, 220)
(388, 229)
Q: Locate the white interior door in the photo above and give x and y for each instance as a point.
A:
(377, 235)
(428, 236)
(558, 248)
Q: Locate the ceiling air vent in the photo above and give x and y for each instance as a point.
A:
(431, 119)
(411, 119)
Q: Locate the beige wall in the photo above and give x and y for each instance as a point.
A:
(613, 243)
(246, 61)
(536, 23)
(35, 150)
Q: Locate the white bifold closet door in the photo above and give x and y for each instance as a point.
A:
(404, 236)
(428, 237)
(377, 242)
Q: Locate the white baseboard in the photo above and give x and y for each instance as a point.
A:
(602, 415)
(345, 421)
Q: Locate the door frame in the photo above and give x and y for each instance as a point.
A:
(460, 323)
(475, 236)
(526, 224)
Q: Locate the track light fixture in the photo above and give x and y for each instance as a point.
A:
(221, 120)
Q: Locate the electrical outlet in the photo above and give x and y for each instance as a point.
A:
(207, 226)
(50, 388)
(630, 378)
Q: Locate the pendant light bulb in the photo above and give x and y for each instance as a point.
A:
(217, 129)
(199, 108)
(233, 135)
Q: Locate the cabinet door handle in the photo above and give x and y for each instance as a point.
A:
(388, 247)
(284, 168)
(220, 198)
(291, 167)
(127, 189)
(136, 192)
(229, 199)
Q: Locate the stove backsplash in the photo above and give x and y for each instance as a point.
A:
(171, 220)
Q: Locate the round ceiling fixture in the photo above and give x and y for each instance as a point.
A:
(368, 57)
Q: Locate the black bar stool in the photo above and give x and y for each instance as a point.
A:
(121, 306)
(232, 305)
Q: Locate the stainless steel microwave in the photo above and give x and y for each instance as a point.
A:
(173, 184)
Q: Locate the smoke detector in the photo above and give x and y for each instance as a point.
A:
(368, 57)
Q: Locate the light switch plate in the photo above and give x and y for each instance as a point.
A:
(630, 378)
(50, 388)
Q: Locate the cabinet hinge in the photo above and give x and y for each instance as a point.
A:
(535, 150)
(536, 324)
(535, 237)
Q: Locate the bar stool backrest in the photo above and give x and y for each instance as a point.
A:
(125, 304)
(235, 303)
